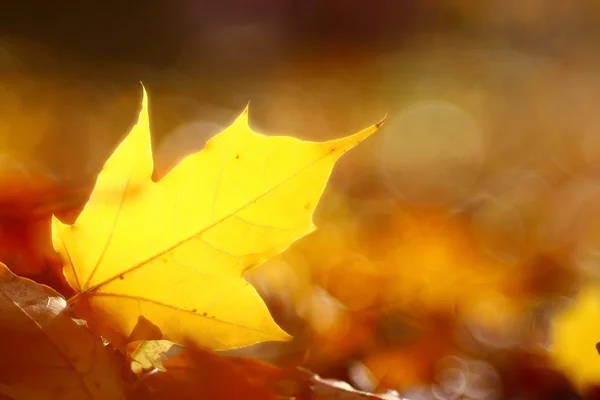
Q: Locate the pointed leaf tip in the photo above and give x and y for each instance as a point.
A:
(243, 117)
(144, 97)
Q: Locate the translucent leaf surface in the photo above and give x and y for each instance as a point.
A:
(174, 251)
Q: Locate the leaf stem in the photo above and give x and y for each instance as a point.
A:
(72, 300)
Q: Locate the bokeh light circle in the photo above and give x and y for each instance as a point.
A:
(432, 152)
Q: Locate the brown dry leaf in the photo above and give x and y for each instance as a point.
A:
(46, 354)
(200, 374)
(24, 226)
(331, 389)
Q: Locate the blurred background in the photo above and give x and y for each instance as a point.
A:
(450, 244)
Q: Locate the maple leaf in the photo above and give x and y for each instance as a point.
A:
(174, 251)
(46, 354)
(197, 373)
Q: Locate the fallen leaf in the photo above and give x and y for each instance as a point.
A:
(329, 389)
(197, 373)
(46, 354)
(574, 336)
(27, 200)
(201, 374)
(148, 354)
(174, 251)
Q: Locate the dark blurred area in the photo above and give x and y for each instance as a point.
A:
(323, 57)
(447, 243)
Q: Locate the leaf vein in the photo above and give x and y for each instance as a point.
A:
(206, 228)
(112, 231)
(49, 339)
(159, 303)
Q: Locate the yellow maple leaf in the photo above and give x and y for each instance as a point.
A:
(46, 354)
(574, 336)
(174, 251)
